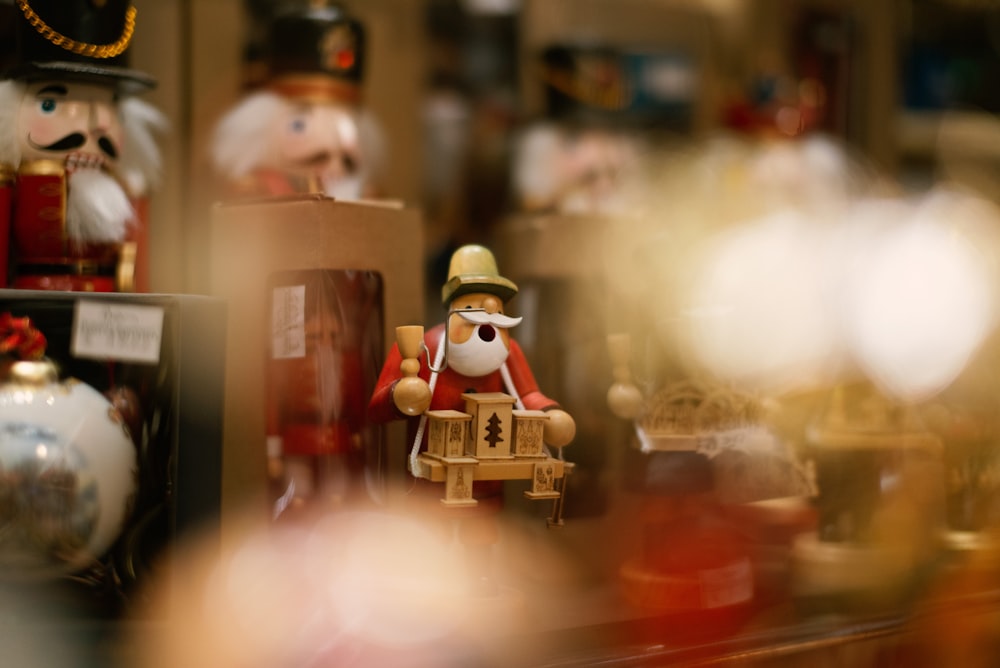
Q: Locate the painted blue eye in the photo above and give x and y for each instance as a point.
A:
(298, 125)
(47, 105)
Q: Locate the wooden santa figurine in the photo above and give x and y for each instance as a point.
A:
(476, 415)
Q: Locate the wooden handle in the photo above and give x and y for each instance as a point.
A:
(620, 351)
(412, 395)
(624, 398)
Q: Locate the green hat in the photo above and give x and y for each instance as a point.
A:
(474, 269)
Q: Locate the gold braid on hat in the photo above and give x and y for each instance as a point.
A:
(81, 48)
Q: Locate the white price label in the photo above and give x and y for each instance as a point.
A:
(123, 332)
(288, 322)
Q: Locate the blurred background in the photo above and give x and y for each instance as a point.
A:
(451, 81)
(722, 99)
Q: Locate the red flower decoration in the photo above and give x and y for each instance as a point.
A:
(20, 339)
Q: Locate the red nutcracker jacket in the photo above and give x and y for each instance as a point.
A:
(37, 252)
(296, 393)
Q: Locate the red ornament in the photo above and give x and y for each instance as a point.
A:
(20, 339)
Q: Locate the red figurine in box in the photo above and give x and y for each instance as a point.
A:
(77, 151)
(326, 340)
(305, 130)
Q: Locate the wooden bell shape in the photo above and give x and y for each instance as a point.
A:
(411, 395)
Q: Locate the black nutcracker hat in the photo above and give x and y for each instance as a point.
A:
(316, 51)
(83, 40)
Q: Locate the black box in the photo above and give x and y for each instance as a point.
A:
(179, 450)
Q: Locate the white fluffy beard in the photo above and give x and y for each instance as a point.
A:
(97, 208)
(344, 187)
(476, 357)
(328, 386)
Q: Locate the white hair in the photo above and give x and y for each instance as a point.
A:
(141, 163)
(372, 140)
(11, 93)
(238, 146)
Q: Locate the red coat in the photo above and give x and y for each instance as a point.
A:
(37, 253)
(449, 389)
(294, 390)
(316, 403)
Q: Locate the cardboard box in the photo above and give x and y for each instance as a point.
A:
(255, 241)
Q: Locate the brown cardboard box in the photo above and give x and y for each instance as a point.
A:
(251, 241)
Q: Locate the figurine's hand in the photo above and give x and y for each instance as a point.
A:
(625, 400)
(559, 429)
(412, 395)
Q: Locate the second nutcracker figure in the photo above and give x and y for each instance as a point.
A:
(77, 148)
(325, 348)
(305, 130)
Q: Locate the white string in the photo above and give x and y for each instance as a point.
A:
(512, 391)
(415, 467)
(508, 383)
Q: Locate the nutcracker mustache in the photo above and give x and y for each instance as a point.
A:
(76, 140)
(316, 159)
(325, 157)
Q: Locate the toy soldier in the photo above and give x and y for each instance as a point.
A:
(77, 155)
(305, 130)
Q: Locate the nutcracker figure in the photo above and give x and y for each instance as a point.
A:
(78, 152)
(584, 156)
(326, 342)
(473, 358)
(305, 130)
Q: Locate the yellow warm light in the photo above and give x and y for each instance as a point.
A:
(918, 302)
(757, 312)
(785, 267)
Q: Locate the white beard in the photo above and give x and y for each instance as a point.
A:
(97, 208)
(344, 187)
(476, 357)
(328, 385)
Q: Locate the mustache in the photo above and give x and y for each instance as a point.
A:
(495, 319)
(76, 140)
(321, 158)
